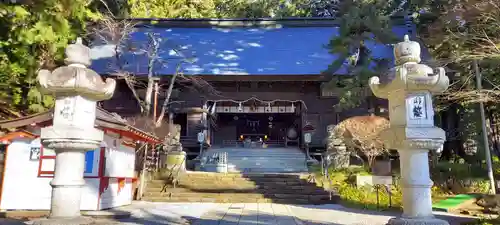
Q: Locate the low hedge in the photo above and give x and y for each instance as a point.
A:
(344, 181)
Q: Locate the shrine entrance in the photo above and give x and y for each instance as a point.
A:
(255, 123)
(253, 129)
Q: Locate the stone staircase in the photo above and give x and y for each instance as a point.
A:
(263, 160)
(239, 188)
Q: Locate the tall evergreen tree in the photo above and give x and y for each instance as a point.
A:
(361, 22)
(34, 36)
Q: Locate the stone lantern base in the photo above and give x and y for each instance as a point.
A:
(417, 221)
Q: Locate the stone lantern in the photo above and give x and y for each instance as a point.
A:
(412, 131)
(76, 89)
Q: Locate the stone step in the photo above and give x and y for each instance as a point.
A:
(268, 161)
(247, 175)
(262, 162)
(237, 187)
(201, 199)
(223, 199)
(240, 195)
(258, 190)
(268, 165)
(252, 180)
(265, 170)
(194, 183)
(290, 188)
(257, 150)
(267, 157)
(191, 181)
(259, 153)
(249, 182)
(221, 176)
(242, 159)
(237, 179)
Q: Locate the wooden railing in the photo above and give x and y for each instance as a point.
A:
(175, 174)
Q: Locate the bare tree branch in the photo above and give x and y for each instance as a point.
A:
(153, 55)
(167, 98)
(116, 33)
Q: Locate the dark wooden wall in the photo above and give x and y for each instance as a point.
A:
(320, 111)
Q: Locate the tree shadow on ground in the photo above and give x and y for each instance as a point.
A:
(153, 216)
(452, 219)
(143, 217)
(8, 221)
(250, 219)
(156, 214)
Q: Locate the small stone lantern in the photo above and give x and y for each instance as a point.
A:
(76, 89)
(308, 131)
(412, 131)
(201, 140)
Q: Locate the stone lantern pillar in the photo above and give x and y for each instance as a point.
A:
(76, 89)
(409, 90)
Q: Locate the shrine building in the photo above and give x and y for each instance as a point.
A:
(265, 78)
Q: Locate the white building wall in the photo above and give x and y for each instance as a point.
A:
(24, 190)
(120, 163)
(116, 195)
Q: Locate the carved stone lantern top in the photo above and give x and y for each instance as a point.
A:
(77, 53)
(407, 51)
(75, 79)
(408, 75)
(409, 90)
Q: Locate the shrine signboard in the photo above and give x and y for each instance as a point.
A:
(418, 109)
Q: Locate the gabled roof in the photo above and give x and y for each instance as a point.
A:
(104, 120)
(235, 47)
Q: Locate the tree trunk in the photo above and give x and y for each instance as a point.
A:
(166, 100)
(371, 162)
(149, 96)
(142, 179)
(152, 57)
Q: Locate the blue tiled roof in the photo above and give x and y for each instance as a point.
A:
(236, 51)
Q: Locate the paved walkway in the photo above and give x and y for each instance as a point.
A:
(149, 213)
(258, 213)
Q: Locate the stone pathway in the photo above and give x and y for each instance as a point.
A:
(247, 214)
(259, 213)
(156, 213)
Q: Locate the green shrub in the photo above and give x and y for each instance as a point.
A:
(344, 181)
(444, 170)
(484, 221)
(459, 178)
(366, 197)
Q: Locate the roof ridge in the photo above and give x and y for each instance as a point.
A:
(242, 19)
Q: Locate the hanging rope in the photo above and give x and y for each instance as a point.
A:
(261, 101)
